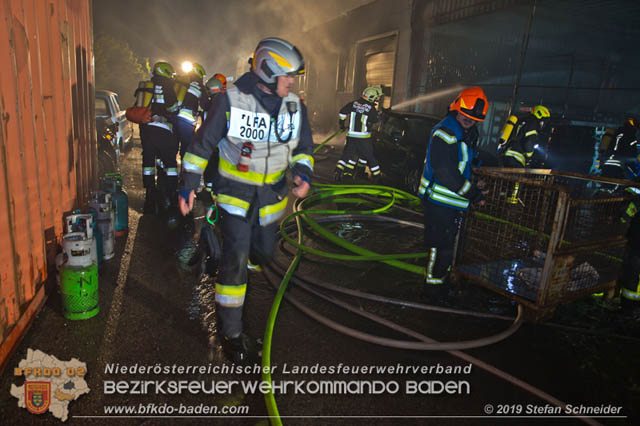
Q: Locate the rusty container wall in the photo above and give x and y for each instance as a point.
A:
(544, 238)
(47, 145)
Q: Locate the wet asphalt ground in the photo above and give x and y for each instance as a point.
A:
(153, 312)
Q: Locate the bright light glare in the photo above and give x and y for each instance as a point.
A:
(187, 67)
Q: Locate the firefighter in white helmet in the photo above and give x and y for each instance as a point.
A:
(261, 129)
(362, 115)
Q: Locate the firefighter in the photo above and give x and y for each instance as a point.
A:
(446, 188)
(144, 96)
(630, 293)
(362, 115)
(607, 138)
(222, 80)
(261, 129)
(187, 117)
(521, 144)
(621, 157)
(160, 144)
(215, 87)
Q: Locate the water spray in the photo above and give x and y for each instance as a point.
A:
(427, 97)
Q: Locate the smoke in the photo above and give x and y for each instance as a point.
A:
(218, 35)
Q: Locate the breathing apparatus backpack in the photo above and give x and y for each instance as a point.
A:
(140, 112)
(505, 135)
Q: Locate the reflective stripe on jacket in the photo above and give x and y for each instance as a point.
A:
(249, 122)
(447, 131)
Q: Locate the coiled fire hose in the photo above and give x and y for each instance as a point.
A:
(389, 196)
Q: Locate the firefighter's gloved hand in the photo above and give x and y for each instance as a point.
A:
(476, 196)
(342, 125)
(186, 198)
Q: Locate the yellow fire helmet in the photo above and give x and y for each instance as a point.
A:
(372, 93)
(540, 112)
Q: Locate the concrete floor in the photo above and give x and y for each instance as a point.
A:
(154, 312)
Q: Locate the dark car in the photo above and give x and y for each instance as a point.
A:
(400, 146)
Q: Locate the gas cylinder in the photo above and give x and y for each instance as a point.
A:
(97, 235)
(144, 94)
(505, 134)
(78, 277)
(101, 202)
(112, 183)
(61, 258)
(79, 222)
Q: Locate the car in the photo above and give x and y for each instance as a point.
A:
(108, 152)
(107, 107)
(400, 146)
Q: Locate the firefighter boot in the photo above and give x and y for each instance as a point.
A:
(243, 350)
(360, 172)
(337, 176)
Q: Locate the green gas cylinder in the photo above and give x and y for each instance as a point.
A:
(79, 277)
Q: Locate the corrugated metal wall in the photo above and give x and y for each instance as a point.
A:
(580, 59)
(47, 144)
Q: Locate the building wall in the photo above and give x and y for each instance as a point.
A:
(47, 145)
(578, 58)
(333, 52)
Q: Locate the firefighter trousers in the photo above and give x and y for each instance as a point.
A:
(361, 150)
(184, 131)
(440, 229)
(631, 278)
(242, 237)
(159, 144)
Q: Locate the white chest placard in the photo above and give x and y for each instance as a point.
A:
(254, 126)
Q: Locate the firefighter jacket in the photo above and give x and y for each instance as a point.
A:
(362, 116)
(623, 150)
(446, 178)
(281, 136)
(193, 99)
(523, 142)
(164, 103)
(630, 216)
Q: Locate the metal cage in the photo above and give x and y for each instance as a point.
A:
(544, 237)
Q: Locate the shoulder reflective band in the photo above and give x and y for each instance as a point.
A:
(445, 137)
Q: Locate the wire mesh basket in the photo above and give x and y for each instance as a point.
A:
(544, 237)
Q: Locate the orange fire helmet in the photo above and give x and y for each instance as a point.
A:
(471, 103)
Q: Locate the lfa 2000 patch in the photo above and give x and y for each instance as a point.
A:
(37, 396)
(257, 126)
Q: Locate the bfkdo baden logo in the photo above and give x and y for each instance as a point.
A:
(49, 384)
(37, 396)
